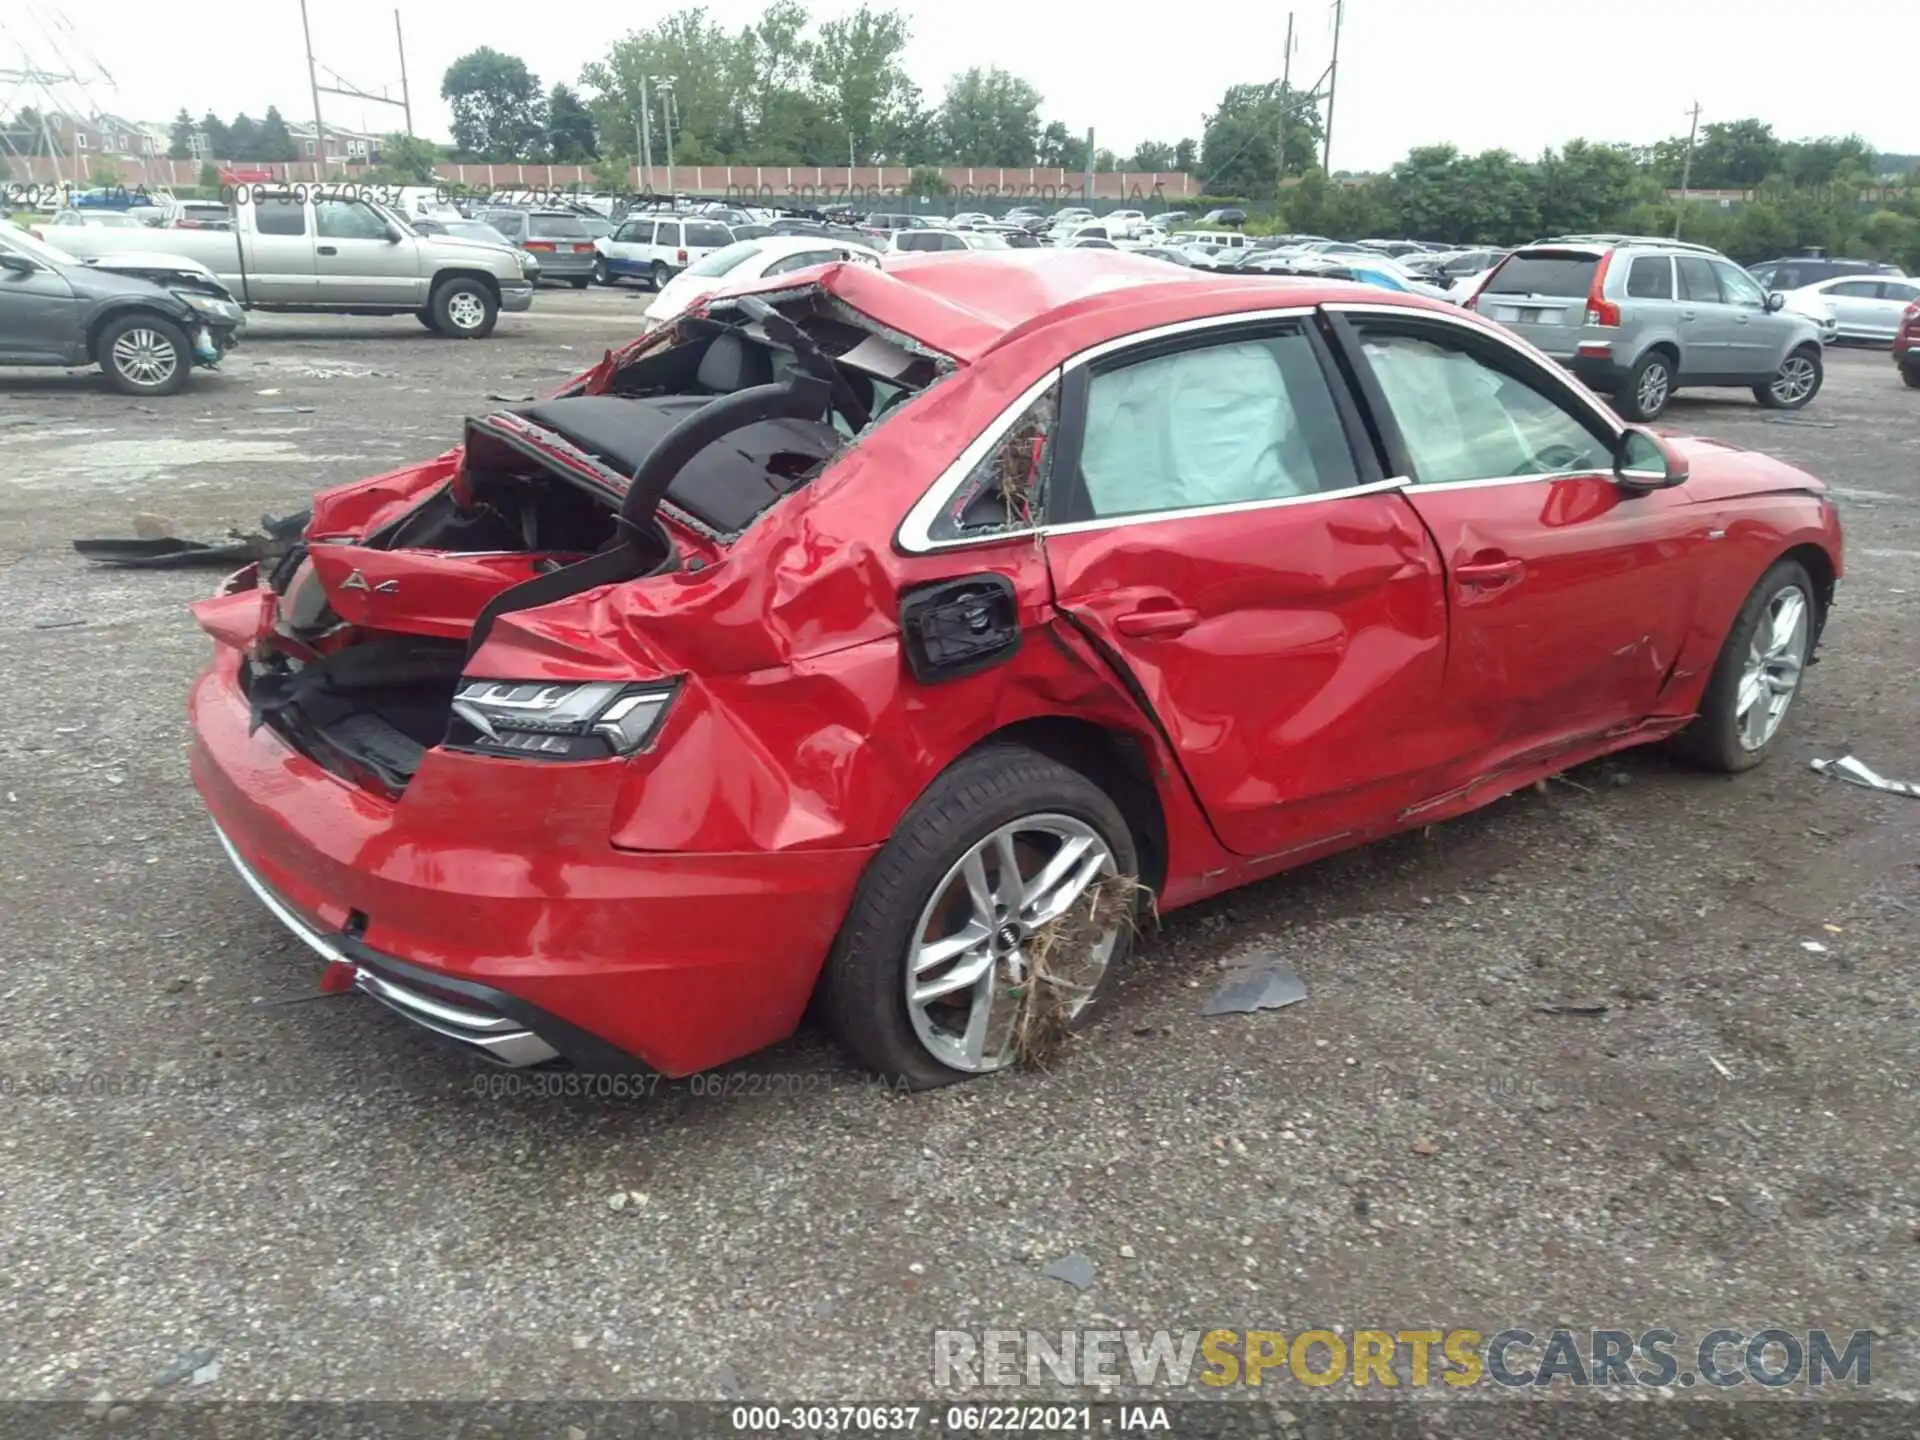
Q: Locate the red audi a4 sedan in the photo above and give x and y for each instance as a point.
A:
(832, 644)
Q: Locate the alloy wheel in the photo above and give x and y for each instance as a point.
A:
(972, 952)
(1776, 658)
(145, 357)
(466, 311)
(1652, 393)
(1795, 381)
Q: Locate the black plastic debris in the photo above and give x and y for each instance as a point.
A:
(171, 552)
(1075, 1269)
(1270, 985)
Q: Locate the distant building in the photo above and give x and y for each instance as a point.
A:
(344, 146)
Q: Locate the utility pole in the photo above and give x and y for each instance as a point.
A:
(646, 140)
(668, 113)
(1686, 169)
(1286, 102)
(313, 81)
(1333, 79)
(406, 95)
(1088, 187)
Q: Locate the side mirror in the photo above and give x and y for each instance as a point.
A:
(19, 264)
(1775, 302)
(1642, 461)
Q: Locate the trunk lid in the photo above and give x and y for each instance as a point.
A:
(1541, 295)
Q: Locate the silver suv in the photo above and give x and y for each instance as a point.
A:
(1637, 317)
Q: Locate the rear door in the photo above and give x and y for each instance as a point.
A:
(1757, 338)
(1895, 297)
(1213, 530)
(701, 238)
(1854, 305)
(1541, 295)
(362, 258)
(1569, 596)
(279, 248)
(1709, 340)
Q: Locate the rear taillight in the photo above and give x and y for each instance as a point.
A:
(583, 249)
(683, 257)
(1600, 310)
(545, 247)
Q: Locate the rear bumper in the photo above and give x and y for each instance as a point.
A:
(489, 906)
(1602, 372)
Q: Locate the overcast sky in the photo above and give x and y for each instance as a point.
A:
(1518, 74)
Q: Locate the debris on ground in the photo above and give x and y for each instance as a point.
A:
(1271, 985)
(1858, 772)
(1426, 1148)
(1054, 990)
(1075, 1269)
(152, 547)
(508, 399)
(1579, 1007)
(191, 1363)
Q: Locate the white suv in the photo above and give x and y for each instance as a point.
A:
(656, 248)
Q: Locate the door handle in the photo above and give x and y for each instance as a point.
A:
(1489, 572)
(1144, 624)
(329, 250)
(1686, 314)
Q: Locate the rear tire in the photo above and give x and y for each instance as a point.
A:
(144, 355)
(1648, 389)
(1911, 374)
(661, 275)
(425, 317)
(1758, 673)
(579, 282)
(601, 274)
(902, 895)
(464, 309)
(1797, 381)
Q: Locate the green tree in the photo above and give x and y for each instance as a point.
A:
(1150, 156)
(610, 173)
(571, 139)
(273, 140)
(990, 117)
(243, 138)
(785, 122)
(219, 142)
(497, 108)
(1059, 149)
(859, 77)
(180, 140)
(1186, 155)
(210, 179)
(408, 160)
(1237, 147)
(1587, 187)
(927, 183)
(1736, 154)
(698, 61)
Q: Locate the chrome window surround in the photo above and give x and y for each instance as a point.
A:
(914, 535)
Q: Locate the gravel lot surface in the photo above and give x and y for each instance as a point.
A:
(328, 1203)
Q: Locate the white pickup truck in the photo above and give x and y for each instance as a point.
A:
(328, 249)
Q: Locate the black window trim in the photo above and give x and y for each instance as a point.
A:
(913, 537)
(1484, 344)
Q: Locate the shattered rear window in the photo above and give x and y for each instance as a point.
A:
(1005, 492)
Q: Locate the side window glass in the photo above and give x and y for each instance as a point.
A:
(1651, 278)
(668, 234)
(1738, 286)
(280, 217)
(1006, 491)
(1854, 290)
(1697, 282)
(1247, 420)
(1898, 290)
(347, 220)
(1462, 419)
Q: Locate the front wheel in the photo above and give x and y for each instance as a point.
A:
(1795, 383)
(144, 355)
(1757, 674)
(1648, 389)
(661, 275)
(601, 274)
(464, 310)
(988, 925)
